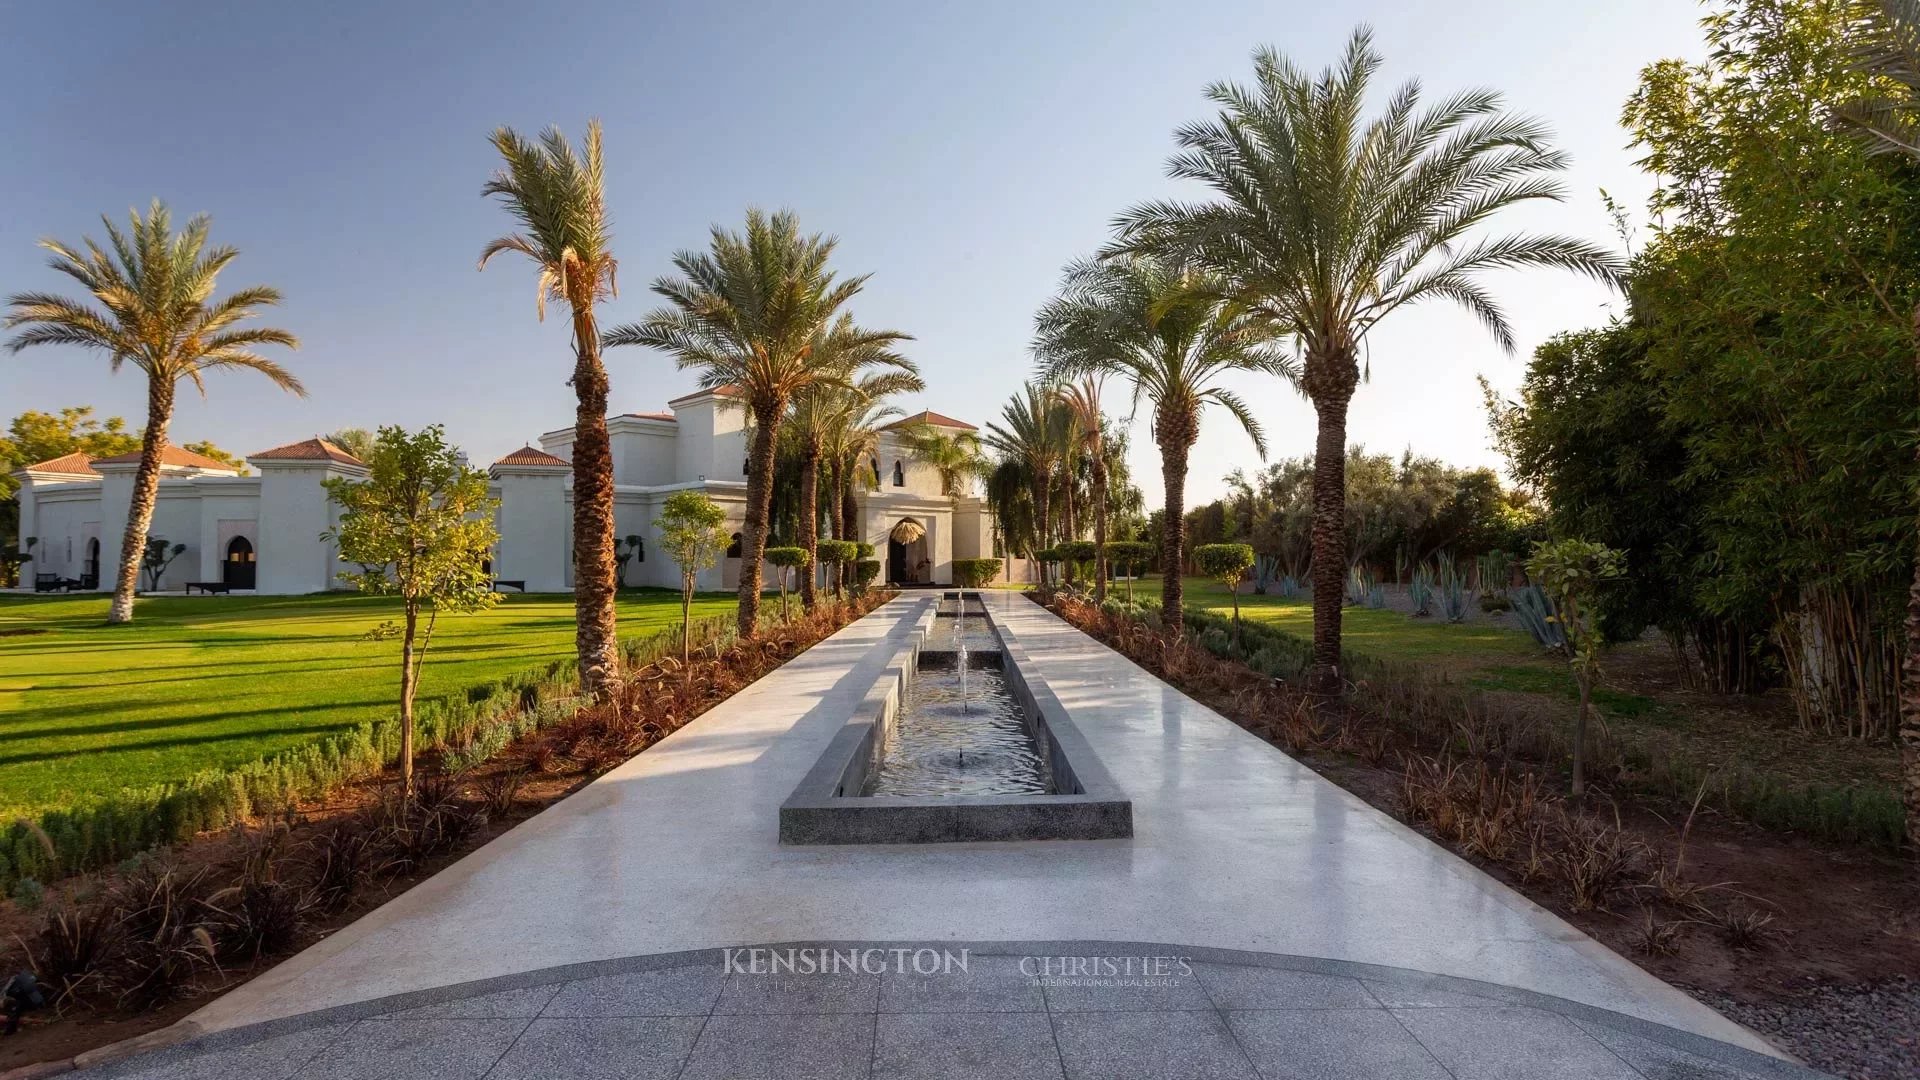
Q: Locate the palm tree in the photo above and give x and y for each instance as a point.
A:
(820, 406)
(558, 196)
(157, 312)
(1326, 222)
(855, 438)
(1169, 332)
(746, 314)
(1889, 46)
(1038, 433)
(1082, 399)
(956, 458)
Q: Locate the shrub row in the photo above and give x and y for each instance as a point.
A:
(1437, 713)
(469, 726)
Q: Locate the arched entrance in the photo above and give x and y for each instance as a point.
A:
(90, 567)
(238, 569)
(908, 561)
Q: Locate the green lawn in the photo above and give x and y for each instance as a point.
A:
(218, 681)
(1387, 635)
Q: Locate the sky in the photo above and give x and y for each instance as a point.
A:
(961, 153)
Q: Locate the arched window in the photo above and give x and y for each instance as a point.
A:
(875, 464)
(238, 571)
(746, 466)
(733, 549)
(899, 474)
(90, 569)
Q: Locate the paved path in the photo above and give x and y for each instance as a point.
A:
(1237, 846)
(1021, 1011)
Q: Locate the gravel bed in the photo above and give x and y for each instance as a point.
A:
(1857, 1032)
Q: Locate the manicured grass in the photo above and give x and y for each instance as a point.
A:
(202, 682)
(1387, 635)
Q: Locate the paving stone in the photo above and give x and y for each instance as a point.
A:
(820, 1047)
(412, 1049)
(1413, 995)
(965, 1046)
(681, 991)
(990, 984)
(1123, 993)
(1243, 986)
(601, 1048)
(773, 994)
(521, 1004)
(1658, 1062)
(1149, 1046)
(269, 1059)
(1322, 1044)
(1512, 1044)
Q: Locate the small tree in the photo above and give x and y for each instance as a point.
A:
(973, 573)
(423, 521)
(156, 558)
(1228, 564)
(785, 560)
(693, 530)
(1130, 554)
(837, 554)
(1571, 573)
(1079, 555)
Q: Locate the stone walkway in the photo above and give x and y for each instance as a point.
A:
(1236, 847)
(1109, 1011)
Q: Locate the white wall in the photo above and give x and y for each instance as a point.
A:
(294, 511)
(532, 522)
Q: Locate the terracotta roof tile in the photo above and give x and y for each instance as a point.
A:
(314, 449)
(169, 455)
(528, 455)
(70, 464)
(928, 416)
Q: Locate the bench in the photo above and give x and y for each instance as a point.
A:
(54, 583)
(518, 586)
(208, 587)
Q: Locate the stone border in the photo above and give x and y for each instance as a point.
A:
(184, 1039)
(1091, 807)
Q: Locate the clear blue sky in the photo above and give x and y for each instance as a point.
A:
(961, 152)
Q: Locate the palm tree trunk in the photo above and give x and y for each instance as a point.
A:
(595, 636)
(146, 489)
(1329, 380)
(1099, 523)
(1067, 532)
(1910, 683)
(1175, 427)
(1041, 491)
(753, 538)
(849, 519)
(809, 515)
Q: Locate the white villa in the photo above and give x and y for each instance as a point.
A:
(262, 533)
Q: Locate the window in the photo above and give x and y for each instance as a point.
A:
(899, 474)
(875, 464)
(733, 549)
(746, 466)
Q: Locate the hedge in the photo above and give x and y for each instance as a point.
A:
(973, 573)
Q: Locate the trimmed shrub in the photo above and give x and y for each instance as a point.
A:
(864, 573)
(973, 573)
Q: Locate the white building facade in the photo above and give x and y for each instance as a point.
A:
(263, 533)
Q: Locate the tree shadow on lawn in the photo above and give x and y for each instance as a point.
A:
(151, 744)
(68, 730)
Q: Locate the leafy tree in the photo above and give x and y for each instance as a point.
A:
(1169, 332)
(156, 557)
(156, 311)
(1572, 572)
(748, 314)
(693, 530)
(420, 525)
(37, 436)
(1228, 564)
(1131, 555)
(786, 560)
(837, 554)
(1326, 222)
(558, 197)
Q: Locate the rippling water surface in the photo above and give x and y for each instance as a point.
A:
(942, 746)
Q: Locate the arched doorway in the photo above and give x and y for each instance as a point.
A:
(908, 562)
(238, 569)
(90, 567)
